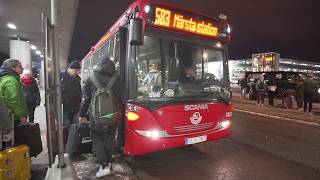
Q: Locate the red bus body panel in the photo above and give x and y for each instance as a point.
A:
(176, 122)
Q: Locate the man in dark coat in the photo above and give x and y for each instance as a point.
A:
(71, 93)
(310, 88)
(102, 135)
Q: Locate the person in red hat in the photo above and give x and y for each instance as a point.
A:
(32, 92)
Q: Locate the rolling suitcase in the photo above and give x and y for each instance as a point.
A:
(29, 135)
(15, 162)
(79, 140)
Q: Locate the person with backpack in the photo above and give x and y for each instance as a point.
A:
(260, 88)
(101, 99)
(71, 93)
(32, 92)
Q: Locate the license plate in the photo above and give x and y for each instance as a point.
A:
(195, 140)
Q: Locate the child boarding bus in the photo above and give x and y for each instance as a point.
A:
(174, 67)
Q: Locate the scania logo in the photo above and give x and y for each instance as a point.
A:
(196, 118)
(195, 107)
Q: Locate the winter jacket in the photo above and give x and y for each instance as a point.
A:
(31, 90)
(310, 86)
(71, 92)
(88, 91)
(12, 93)
(5, 121)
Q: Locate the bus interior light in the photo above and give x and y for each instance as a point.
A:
(132, 116)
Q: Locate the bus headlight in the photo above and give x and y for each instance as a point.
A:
(154, 134)
(223, 124)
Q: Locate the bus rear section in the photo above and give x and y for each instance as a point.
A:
(172, 126)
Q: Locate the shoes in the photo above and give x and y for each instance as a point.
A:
(103, 171)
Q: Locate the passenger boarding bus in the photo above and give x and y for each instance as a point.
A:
(173, 64)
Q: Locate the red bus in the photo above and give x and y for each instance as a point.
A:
(173, 64)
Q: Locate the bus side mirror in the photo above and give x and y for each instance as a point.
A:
(136, 32)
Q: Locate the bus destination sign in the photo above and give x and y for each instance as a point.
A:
(174, 20)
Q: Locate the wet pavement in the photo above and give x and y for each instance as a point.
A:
(219, 160)
(278, 109)
(290, 140)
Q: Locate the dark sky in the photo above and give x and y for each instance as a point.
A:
(290, 27)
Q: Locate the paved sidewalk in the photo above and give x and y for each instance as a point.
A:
(277, 110)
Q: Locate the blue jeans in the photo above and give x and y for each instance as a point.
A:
(68, 118)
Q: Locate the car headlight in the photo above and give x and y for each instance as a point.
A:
(319, 90)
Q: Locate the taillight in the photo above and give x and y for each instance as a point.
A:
(132, 116)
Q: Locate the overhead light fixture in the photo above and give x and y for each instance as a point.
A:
(41, 55)
(33, 47)
(11, 26)
(38, 52)
(28, 41)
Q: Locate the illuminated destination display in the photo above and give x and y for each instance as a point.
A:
(174, 20)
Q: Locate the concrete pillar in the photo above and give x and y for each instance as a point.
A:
(20, 50)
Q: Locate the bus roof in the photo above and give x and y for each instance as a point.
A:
(140, 4)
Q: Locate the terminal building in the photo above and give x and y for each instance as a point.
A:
(270, 61)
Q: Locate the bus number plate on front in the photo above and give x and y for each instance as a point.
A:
(195, 140)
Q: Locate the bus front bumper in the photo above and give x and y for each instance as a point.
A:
(137, 144)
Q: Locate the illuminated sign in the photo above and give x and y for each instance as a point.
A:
(174, 20)
(269, 58)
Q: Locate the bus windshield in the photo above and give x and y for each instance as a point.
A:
(175, 69)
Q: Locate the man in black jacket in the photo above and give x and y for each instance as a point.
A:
(71, 92)
(102, 135)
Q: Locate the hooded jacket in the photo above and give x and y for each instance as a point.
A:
(103, 71)
(11, 92)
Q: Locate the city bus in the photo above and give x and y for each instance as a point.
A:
(173, 65)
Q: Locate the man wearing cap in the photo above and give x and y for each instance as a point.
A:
(71, 92)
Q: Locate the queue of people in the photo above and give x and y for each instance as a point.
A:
(304, 92)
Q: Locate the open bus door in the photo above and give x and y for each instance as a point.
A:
(49, 87)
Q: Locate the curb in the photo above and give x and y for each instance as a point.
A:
(298, 121)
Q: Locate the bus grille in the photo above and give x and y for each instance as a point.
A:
(194, 127)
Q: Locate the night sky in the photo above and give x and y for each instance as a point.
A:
(289, 27)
